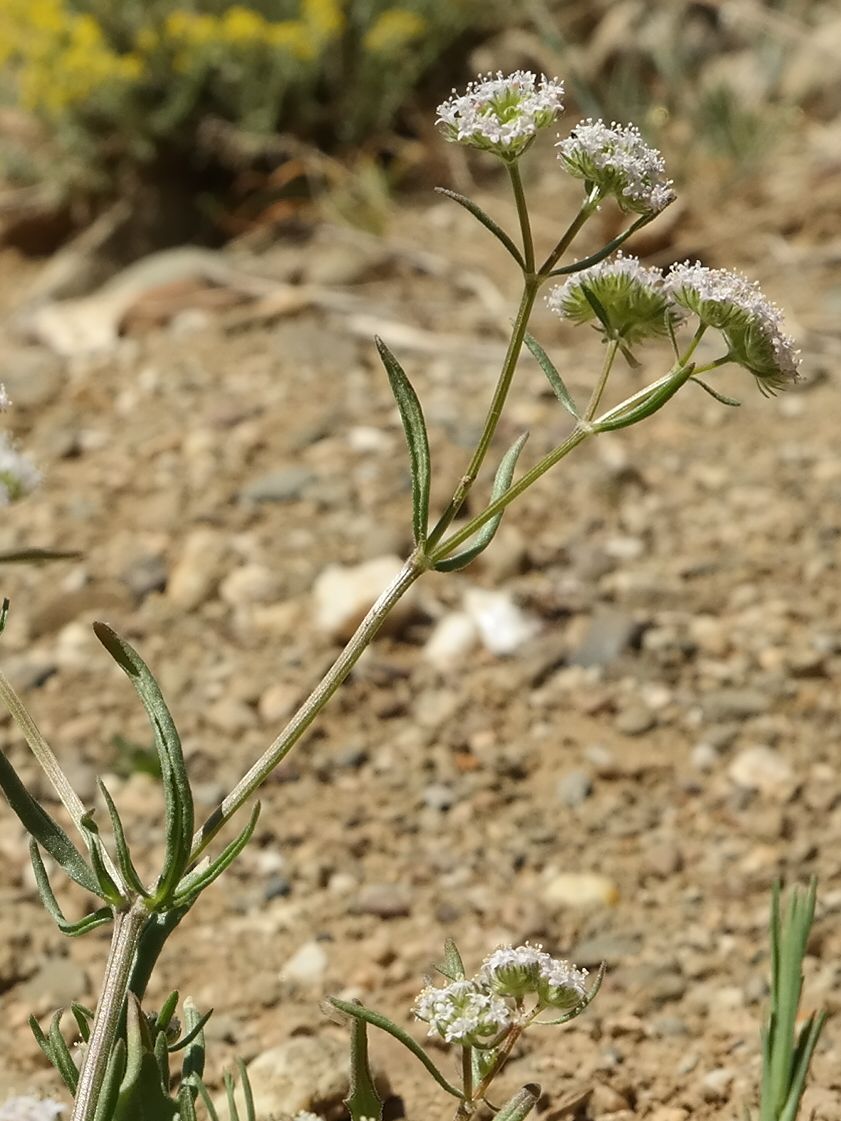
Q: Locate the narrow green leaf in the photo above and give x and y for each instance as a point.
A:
(161, 1053)
(124, 860)
(597, 306)
(47, 832)
(720, 397)
(208, 1101)
(166, 735)
(40, 1038)
(164, 1017)
(363, 1099)
(4, 614)
(194, 1032)
(648, 406)
(111, 1083)
(233, 1112)
(247, 1092)
(359, 1011)
(604, 252)
(552, 376)
(193, 884)
(107, 888)
(414, 426)
(175, 855)
(186, 1104)
(84, 1019)
(62, 1059)
(452, 967)
(521, 1104)
(28, 556)
(192, 1066)
(486, 221)
(483, 538)
(807, 1043)
(50, 903)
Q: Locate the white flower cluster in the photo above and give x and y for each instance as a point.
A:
(502, 113)
(618, 161)
(478, 1010)
(18, 475)
(752, 325)
(632, 296)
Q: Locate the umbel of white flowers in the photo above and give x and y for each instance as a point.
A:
(479, 1010)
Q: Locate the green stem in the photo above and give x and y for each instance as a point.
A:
(503, 385)
(596, 396)
(576, 437)
(523, 215)
(466, 1081)
(312, 706)
(128, 926)
(587, 208)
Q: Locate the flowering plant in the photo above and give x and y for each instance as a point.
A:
(122, 1070)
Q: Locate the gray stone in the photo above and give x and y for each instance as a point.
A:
(438, 796)
(635, 720)
(286, 484)
(145, 574)
(307, 965)
(609, 635)
(386, 901)
(574, 788)
(734, 704)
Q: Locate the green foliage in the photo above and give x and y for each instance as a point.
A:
(117, 86)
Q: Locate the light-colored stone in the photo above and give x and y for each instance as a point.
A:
(344, 594)
(502, 625)
(307, 965)
(197, 571)
(763, 769)
(452, 639)
(249, 584)
(278, 701)
(580, 889)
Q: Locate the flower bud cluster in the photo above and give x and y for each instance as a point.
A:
(637, 302)
(616, 160)
(478, 1011)
(502, 113)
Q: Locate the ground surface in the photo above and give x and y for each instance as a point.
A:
(685, 578)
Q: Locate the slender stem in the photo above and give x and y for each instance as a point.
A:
(522, 214)
(576, 437)
(128, 926)
(515, 345)
(596, 396)
(51, 767)
(466, 1081)
(587, 208)
(312, 706)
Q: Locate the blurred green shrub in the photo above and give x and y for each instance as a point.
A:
(116, 83)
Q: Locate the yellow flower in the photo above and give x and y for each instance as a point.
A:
(393, 30)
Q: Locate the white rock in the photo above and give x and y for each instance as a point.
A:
(307, 965)
(452, 639)
(29, 1108)
(580, 889)
(196, 573)
(248, 584)
(343, 595)
(762, 769)
(278, 701)
(502, 625)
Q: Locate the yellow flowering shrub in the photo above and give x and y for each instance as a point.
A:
(119, 81)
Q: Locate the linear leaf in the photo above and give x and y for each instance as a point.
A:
(4, 614)
(84, 1019)
(48, 899)
(359, 1011)
(166, 735)
(721, 397)
(486, 221)
(483, 538)
(186, 1105)
(247, 1092)
(208, 1101)
(597, 306)
(604, 252)
(123, 854)
(521, 1104)
(233, 1112)
(164, 1017)
(552, 376)
(192, 1065)
(194, 1032)
(411, 414)
(363, 1099)
(647, 406)
(195, 883)
(452, 967)
(47, 832)
(108, 889)
(27, 556)
(62, 1059)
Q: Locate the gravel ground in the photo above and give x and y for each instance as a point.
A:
(665, 732)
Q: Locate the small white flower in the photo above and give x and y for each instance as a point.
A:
(619, 162)
(632, 296)
(752, 326)
(562, 984)
(462, 1012)
(514, 972)
(18, 475)
(502, 113)
(4, 399)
